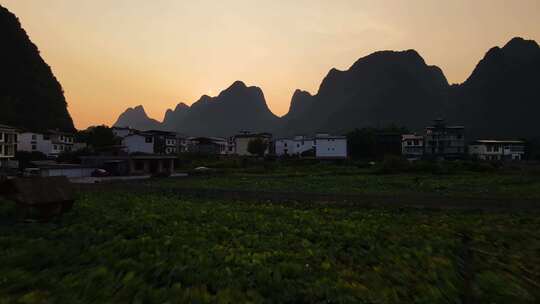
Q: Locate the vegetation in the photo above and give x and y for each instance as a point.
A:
(257, 146)
(98, 137)
(26, 157)
(364, 144)
(391, 177)
(120, 247)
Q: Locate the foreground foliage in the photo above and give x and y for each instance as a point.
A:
(467, 184)
(118, 247)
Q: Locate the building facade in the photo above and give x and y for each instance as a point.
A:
(50, 143)
(442, 141)
(412, 146)
(297, 146)
(138, 143)
(498, 150)
(241, 142)
(330, 146)
(8, 144)
(207, 145)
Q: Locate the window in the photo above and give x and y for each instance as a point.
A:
(148, 139)
(34, 136)
(55, 147)
(1, 149)
(61, 148)
(416, 142)
(1, 136)
(34, 147)
(46, 137)
(285, 144)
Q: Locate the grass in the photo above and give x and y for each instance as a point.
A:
(463, 184)
(120, 247)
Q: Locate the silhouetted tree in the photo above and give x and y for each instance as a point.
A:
(98, 137)
(257, 146)
(25, 157)
(366, 143)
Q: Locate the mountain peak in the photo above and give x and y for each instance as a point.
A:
(237, 85)
(181, 106)
(521, 49)
(518, 42)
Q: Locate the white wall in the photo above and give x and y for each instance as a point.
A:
(331, 147)
(137, 143)
(68, 172)
(42, 145)
(293, 146)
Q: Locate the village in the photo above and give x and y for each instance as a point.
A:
(151, 152)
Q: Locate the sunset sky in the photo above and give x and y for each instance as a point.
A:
(113, 54)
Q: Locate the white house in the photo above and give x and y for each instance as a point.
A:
(412, 146)
(51, 143)
(8, 144)
(329, 146)
(294, 146)
(498, 149)
(123, 132)
(322, 146)
(139, 143)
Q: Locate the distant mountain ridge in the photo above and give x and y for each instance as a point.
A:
(499, 99)
(236, 108)
(30, 95)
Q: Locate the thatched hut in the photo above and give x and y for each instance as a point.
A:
(39, 198)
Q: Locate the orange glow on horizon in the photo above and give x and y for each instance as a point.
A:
(111, 55)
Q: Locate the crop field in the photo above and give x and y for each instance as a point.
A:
(462, 184)
(126, 248)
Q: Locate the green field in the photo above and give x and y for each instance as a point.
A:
(125, 248)
(350, 181)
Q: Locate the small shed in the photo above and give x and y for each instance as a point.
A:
(39, 198)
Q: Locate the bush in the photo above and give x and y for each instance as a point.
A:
(393, 164)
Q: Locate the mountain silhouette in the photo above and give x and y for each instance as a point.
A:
(378, 90)
(138, 119)
(30, 95)
(499, 99)
(235, 109)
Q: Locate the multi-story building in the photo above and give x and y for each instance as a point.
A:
(123, 132)
(412, 146)
(148, 142)
(320, 146)
(8, 144)
(207, 145)
(442, 141)
(330, 146)
(296, 146)
(138, 143)
(51, 143)
(498, 149)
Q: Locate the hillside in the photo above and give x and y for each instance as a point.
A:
(30, 95)
(499, 99)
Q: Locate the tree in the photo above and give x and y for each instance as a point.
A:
(257, 146)
(26, 157)
(368, 143)
(98, 137)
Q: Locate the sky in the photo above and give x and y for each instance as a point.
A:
(113, 54)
